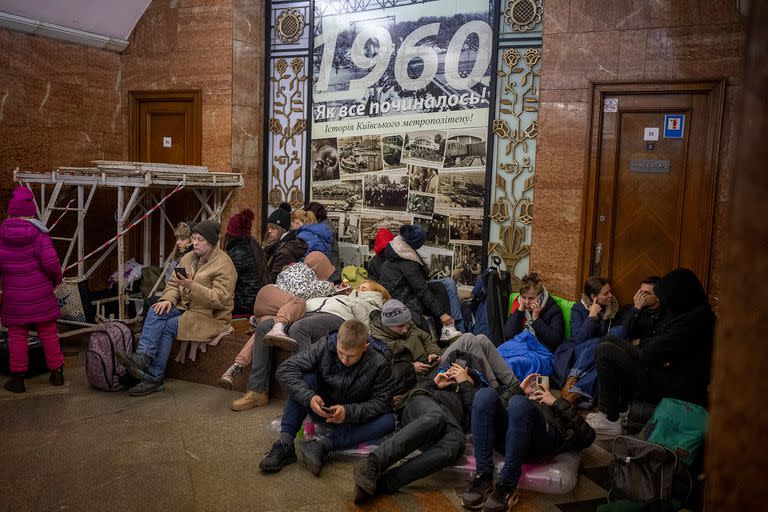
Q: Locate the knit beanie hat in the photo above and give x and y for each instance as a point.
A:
(22, 203)
(383, 237)
(241, 223)
(413, 234)
(394, 312)
(208, 229)
(281, 217)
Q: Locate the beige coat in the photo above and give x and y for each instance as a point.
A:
(208, 306)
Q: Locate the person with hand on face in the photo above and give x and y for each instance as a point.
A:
(591, 319)
(644, 317)
(195, 306)
(282, 245)
(344, 381)
(434, 417)
(531, 425)
(534, 329)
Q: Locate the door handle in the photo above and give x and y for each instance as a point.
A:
(598, 253)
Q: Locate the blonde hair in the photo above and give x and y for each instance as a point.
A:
(303, 216)
(376, 287)
(531, 281)
(353, 334)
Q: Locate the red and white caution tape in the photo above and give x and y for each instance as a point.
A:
(123, 232)
(66, 209)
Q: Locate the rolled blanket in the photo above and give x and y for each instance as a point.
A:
(525, 355)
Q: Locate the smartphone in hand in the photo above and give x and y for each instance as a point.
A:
(181, 271)
(326, 409)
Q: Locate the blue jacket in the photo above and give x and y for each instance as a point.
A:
(318, 238)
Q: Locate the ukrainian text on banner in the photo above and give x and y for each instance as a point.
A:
(400, 121)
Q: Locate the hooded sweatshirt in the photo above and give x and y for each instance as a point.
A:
(30, 270)
(414, 345)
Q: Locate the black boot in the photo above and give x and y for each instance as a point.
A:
(57, 376)
(16, 383)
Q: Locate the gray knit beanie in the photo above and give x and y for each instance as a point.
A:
(208, 229)
(394, 312)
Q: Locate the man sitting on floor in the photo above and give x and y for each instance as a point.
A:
(346, 381)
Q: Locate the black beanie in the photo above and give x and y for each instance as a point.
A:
(208, 229)
(281, 217)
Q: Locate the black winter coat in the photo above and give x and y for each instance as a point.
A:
(642, 323)
(456, 400)
(405, 276)
(575, 433)
(374, 267)
(364, 389)
(549, 327)
(249, 275)
(289, 249)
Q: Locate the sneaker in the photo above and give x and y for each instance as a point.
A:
(315, 455)
(603, 427)
(57, 376)
(250, 400)
(227, 379)
(478, 490)
(277, 337)
(278, 457)
(136, 364)
(16, 384)
(146, 387)
(502, 499)
(366, 475)
(449, 333)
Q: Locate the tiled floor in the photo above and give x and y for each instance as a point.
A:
(78, 449)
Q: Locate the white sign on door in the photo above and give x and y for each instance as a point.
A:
(166, 142)
(651, 134)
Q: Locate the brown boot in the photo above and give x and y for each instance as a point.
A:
(569, 395)
(250, 400)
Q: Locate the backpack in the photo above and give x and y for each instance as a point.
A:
(678, 426)
(490, 297)
(102, 368)
(644, 472)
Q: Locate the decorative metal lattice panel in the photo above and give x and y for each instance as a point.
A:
(515, 129)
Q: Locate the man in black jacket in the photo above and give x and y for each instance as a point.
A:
(673, 364)
(434, 418)
(644, 317)
(533, 424)
(345, 381)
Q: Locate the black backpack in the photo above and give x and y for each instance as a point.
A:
(490, 304)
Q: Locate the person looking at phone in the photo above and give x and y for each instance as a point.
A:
(643, 318)
(532, 424)
(194, 307)
(591, 318)
(434, 418)
(350, 375)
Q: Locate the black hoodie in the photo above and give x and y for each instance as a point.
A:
(679, 359)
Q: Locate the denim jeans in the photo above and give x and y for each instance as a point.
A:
(453, 295)
(343, 435)
(156, 340)
(584, 365)
(261, 364)
(520, 432)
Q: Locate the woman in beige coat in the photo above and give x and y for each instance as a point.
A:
(195, 306)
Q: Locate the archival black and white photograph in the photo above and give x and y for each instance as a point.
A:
(386, 191)
(325, 160)
(349, 228)
(392, 151)
(421, 204)
(425, 146)
(360, 154)
(370, 225)
(422, 179)
(334, 220)
(351, 254)
(459, 61)
(466, 148)
(461, 189)
(339, 196)
(440, 265)
(464, 227)
(437, 230)
(467, 263)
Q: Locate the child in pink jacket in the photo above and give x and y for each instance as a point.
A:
(29, 270)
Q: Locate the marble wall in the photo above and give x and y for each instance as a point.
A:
(621, 40)
(59, 105)
(186, 45)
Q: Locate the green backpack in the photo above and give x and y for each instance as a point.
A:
(679, 426)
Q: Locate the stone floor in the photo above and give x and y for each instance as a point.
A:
(78, 449)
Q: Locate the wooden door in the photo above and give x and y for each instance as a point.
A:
(650, 191)
(166, 127)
